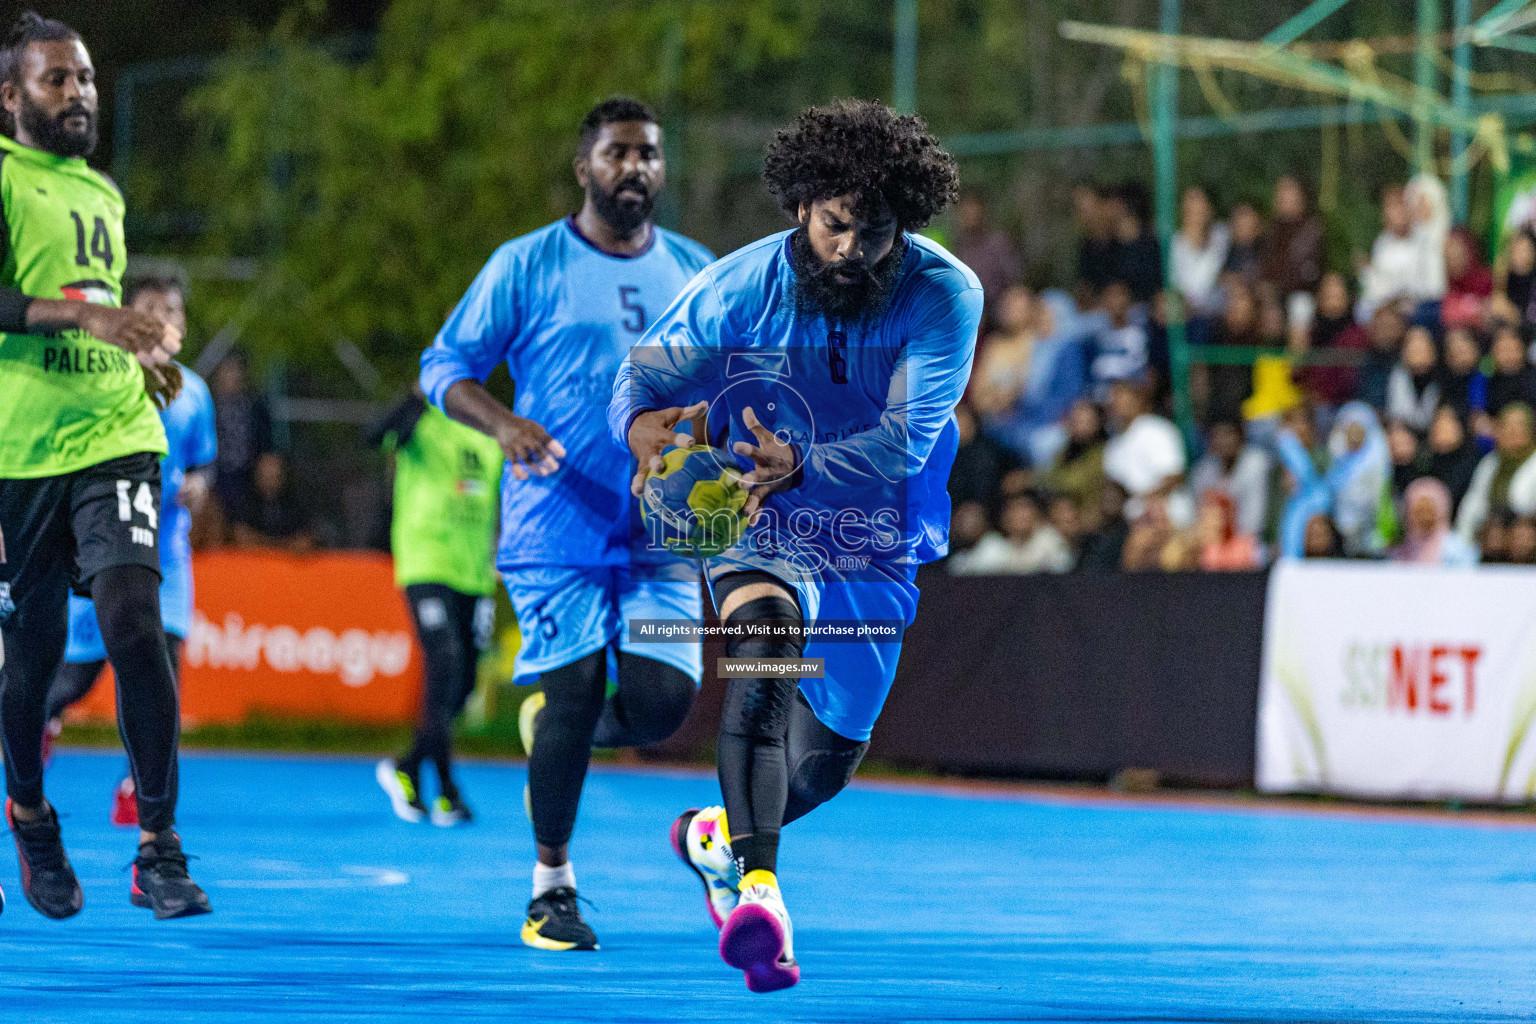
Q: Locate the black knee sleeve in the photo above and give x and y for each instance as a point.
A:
(821, 762)
(758, 708)
(652, 701)
(562, 746)
(754, 777)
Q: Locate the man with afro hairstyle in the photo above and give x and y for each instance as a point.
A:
(830, 359)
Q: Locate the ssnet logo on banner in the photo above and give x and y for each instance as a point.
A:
(1399, 683)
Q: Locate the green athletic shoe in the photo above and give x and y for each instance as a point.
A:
(403, 792)
(448, 811)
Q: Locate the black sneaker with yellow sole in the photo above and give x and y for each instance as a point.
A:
(554, 923)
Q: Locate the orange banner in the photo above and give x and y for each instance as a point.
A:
(323, 636)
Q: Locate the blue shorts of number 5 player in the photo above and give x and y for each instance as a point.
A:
(567, 612)
(859, 672)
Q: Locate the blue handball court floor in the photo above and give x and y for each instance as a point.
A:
(909, 905)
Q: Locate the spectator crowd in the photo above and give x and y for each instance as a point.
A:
(1382, 413)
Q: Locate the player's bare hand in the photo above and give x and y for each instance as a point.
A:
(529, 449)
(775, 460)
(653, 433)
(151, 339)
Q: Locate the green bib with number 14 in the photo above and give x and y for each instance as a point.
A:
(70, 401)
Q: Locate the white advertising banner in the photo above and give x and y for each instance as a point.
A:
(1399, 682)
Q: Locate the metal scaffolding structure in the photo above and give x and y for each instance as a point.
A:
(1477, 127)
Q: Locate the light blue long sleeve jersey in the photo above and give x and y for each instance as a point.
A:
(869, 406)
(562, 314)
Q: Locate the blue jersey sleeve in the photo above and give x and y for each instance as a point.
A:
(930, 376)
(678, 355)
(481, 329)
(201, 439)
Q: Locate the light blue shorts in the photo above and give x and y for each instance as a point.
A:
(566, 613)
(175, 614)
(859, 674)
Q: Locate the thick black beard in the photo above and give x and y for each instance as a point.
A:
(50, 134)
(818, 292)
(624, 218)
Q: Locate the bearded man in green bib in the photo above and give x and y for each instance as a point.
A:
(80, 448)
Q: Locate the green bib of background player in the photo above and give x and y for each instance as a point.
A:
(70, 401)
(447, 486)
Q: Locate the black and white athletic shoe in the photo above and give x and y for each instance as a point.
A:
(161, 882)
(47, 880)
(554, 922)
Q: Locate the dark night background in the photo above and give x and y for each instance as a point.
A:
(126, 32)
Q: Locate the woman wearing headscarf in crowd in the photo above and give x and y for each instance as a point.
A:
(1513, 378)
(1079, 468)
(1520, 540)
(1517, 268)
(1322, 538)
(1463, 385)
(1384, 348)
(1413, 388)
(1505, 476)
(1292, 255)
(1243, 254)
(975, 479)
(1333, 329)
(1428, 538)
(1468, 281)
(1408, 461)
(1453, 453)
(1222, 547)
(1239, 326)
(1430, 205)
(1400, 268)
(1351, 492)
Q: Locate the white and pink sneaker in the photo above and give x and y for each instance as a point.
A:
(758, 938)
(702, 841)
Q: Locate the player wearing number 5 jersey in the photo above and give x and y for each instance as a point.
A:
(80, 448)
(561, 307)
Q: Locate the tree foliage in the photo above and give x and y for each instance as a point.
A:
(371, 189)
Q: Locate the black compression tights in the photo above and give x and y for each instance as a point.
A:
(127, 601)
(652, 700)
(446, 625)
(777, 762)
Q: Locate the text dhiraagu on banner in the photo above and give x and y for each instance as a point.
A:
(323, 636)
(1399, 682)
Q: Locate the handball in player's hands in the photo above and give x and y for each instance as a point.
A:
(693, 503)
(777, 465)
(529, 449)
(163, 382)
(654, 432)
